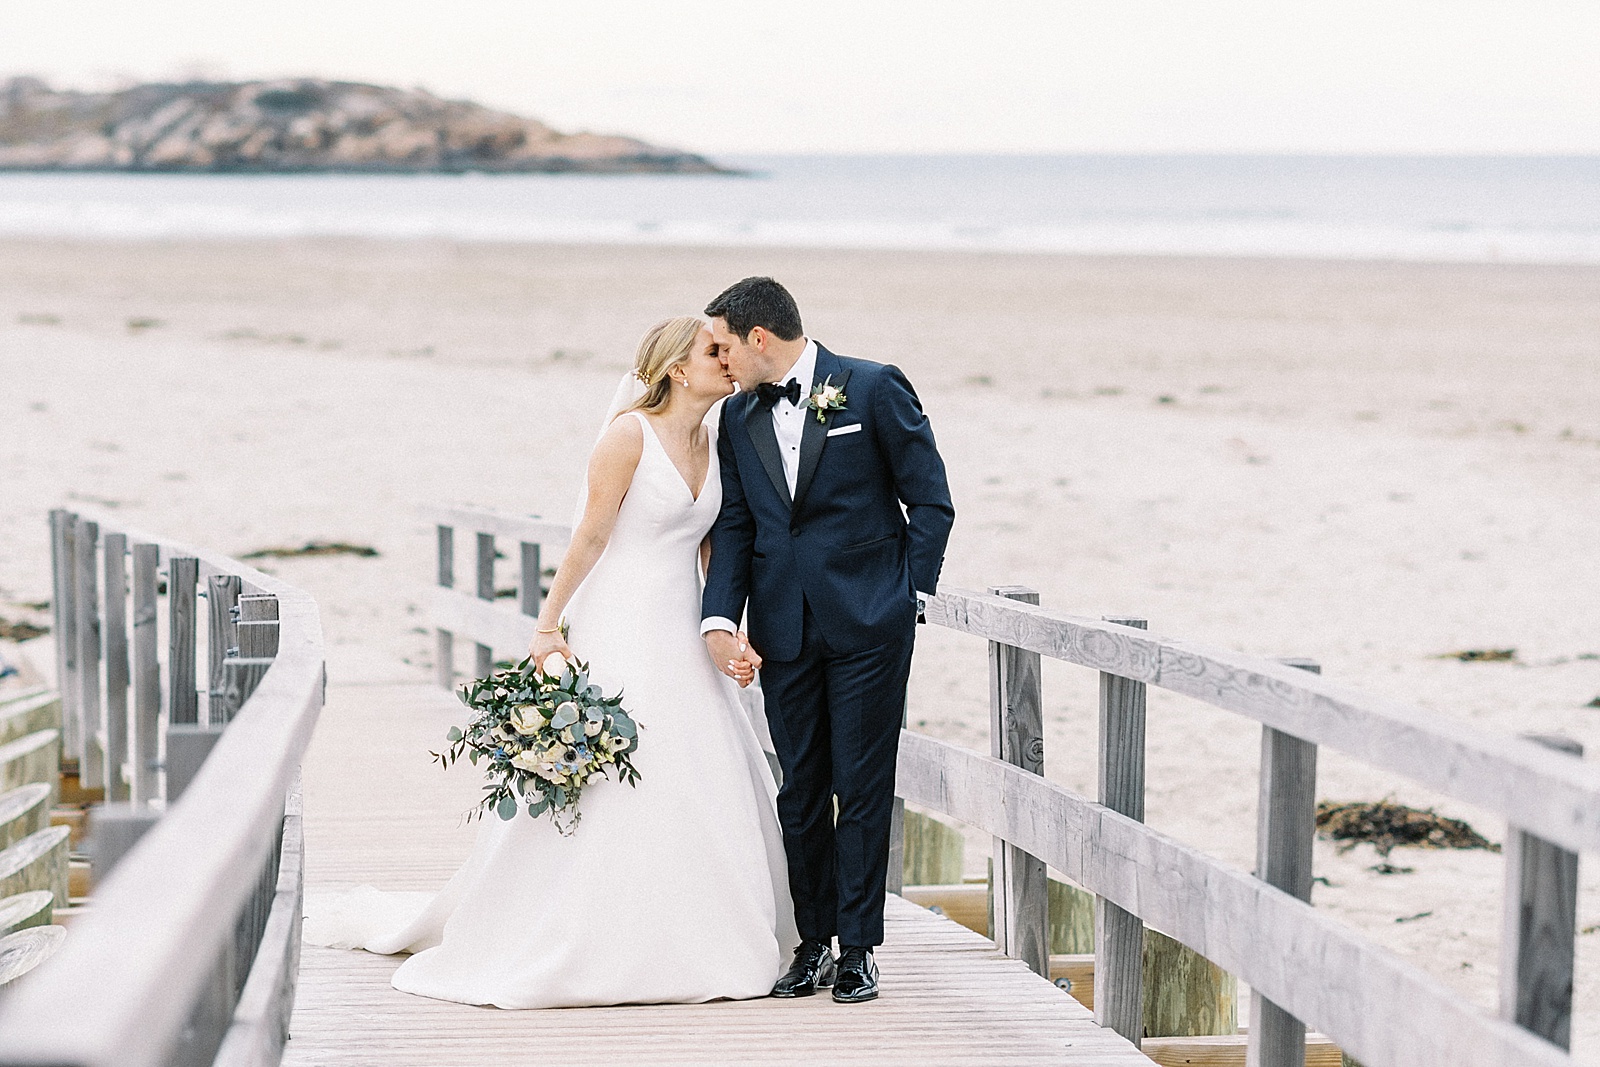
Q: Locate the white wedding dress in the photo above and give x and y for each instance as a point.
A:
(672, 891)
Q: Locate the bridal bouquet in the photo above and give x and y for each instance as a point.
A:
(544, 735)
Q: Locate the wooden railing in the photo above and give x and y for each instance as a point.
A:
(189, 951)
(1304, 968)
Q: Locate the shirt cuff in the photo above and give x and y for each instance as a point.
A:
(924, 596)
(717, 622)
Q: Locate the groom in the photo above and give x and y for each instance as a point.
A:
(835, 513)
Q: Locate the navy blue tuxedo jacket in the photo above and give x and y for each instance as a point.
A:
(866, 529)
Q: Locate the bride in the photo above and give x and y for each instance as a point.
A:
(673, 891)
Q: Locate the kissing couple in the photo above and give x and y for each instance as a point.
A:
(807, 490)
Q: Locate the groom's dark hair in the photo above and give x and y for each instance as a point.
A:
(753, 302)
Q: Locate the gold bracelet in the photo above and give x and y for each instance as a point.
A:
(552, 630)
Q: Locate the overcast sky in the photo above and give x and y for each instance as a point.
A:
(901, 75)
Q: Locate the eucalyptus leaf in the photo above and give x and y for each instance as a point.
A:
(506, 809)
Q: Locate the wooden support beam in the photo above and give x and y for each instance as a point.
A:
(222, 633)
(65, 542)
(444, 640)
(1016, 735)
(183, 703)
(92, 755)
(483, 659)
(1286, 827)
(239, 680)
(1540, 926)
(115, 632)
(188, 745)
(143, 736)
(60, 582)
(1119, 934)
(530, 595)
(116, 829)
(258, 640)
(38, 861)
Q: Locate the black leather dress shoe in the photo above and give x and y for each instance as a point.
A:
(857, 979)
(812, 969)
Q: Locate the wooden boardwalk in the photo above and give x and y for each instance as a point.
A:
(376, 811)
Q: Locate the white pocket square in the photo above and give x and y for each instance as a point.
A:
(839, 431)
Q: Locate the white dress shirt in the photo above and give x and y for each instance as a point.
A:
(789, 424)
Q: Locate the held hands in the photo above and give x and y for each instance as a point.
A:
(733, 655)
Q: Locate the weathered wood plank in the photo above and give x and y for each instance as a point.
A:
(24, 810)
(65, 546)
(1381, 1010)
(476, 520)
(222, 633)
(1542, 791)
(1119, 932)
(91, 755)
(144, 773)
(61, 587)
(482, 621)
(1286, 828)
(1016, 735)
(117, 828)
(1540, 927)
(38, 711)
(260, 1027)
(1229, 1051)
(135, 955)
(934, 852)
(183, 698)
(258, 639)
(115, 631)
(530, 594)
(444, 640)
(948, 997)
(24, 910)
(24, 950)
(34, 758)
(240, 678)
(258, 607)
(38, 861)
(483, 658)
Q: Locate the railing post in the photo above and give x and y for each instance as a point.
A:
(483, 661)
(1016, 735)
(222, 634)
(1286, 827)
(115, 548)
(92, 762)
(183, 703)
(143, 781)
(1119, 934)
(257, 628)
(531, 594)
(444, 650)
(63, 592)
(1541, 900)
(72, 725)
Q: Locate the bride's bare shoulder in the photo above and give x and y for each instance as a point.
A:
(620, 447)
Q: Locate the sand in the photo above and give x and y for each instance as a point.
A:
(1367, 464)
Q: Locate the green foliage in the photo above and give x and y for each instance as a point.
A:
(542, 738)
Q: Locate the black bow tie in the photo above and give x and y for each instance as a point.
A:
(769, 393)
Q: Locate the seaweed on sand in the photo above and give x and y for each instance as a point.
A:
(1385, 824)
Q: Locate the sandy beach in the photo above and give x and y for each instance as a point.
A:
(1369, 464)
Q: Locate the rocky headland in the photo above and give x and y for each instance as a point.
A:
(297, 126)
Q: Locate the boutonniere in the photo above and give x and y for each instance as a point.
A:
(826, 398)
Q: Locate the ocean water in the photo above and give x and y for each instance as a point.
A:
(1514, 209)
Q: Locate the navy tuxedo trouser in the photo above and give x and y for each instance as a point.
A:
(835, 721)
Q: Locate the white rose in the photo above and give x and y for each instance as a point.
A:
(554, 664)
(526, 761)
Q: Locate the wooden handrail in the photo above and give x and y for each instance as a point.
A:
(1309, 967)
(146, 960)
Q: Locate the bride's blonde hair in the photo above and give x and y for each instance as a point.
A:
(664, 346)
